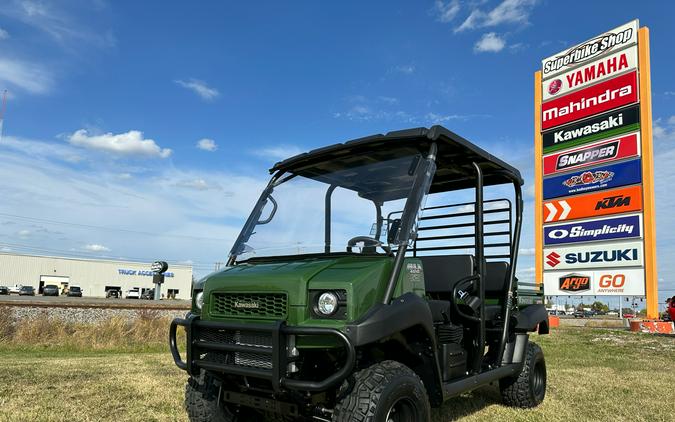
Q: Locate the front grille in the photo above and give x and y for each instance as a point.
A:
(250, 305)
(251, 359)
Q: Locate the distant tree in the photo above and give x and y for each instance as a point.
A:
(580, 307)
(599, 306)
(626, 310)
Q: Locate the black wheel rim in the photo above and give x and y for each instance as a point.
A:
(539, 379)
(402, 410)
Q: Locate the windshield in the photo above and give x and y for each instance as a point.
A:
(337, 206)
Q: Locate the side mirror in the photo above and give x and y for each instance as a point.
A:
(392, 230)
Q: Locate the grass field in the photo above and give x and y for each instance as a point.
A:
(593, 374)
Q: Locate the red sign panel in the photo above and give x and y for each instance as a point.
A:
(594, 204)
(600, 152)
(596, 99)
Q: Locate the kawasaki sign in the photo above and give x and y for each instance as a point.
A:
(595, 128)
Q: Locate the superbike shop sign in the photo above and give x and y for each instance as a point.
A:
(592, 156)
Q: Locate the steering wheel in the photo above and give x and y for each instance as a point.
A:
(367, 242)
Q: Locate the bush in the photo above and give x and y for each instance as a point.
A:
(148, 331)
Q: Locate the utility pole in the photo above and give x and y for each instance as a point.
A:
(218, 265)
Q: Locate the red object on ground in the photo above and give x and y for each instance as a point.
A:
(553, 321)
(671, 311)
(661, 327)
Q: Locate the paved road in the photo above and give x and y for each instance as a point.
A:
(90, 301)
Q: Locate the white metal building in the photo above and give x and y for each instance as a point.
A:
(94, 276)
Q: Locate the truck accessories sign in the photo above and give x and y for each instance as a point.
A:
(613, 93)
(593, 230)
(593, 129)
(600, 152)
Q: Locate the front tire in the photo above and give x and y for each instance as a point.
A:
(528, 389)
(201, 401)
(385, 392)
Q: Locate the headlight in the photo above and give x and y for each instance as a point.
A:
(327, 303)
(199, 300)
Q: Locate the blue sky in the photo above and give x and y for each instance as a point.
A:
(128, 119)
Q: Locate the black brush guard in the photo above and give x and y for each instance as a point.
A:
(278, 352)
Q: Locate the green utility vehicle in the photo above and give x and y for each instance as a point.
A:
(354, 292)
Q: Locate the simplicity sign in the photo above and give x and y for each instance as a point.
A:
(594, 193)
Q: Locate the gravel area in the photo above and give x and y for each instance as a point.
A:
(89, 315)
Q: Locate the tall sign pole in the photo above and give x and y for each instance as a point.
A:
(651, 276)
(594, 173)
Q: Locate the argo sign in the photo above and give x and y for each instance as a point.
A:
(594, 190)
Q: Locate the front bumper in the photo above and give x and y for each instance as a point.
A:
(278, 352)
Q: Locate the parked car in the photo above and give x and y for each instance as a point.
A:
(75, 291)
(628, 315)
(4, 290)
(148, 294)
(15, 289)
(27, 291)
(134, 293)
(50, 290)
(583, 314)
(116, 293)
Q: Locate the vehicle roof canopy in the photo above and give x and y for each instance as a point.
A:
(454, 168)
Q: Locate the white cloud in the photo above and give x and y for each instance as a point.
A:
(25, 76)
(129, 143)
(388, 100)
(197, 184)
(446, 11)
(278, 153)
(526, 251)
(95, 247)
(200, 88)
(663, 133)
(489, 43)
(56, 19)
(207, 144)
(406, 69)
(507, 12)
(3, 34)
(24, 234)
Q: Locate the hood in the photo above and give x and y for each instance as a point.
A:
(291, 277)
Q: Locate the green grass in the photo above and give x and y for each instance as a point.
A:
(593, 374)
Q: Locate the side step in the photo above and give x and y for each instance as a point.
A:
(456, 387)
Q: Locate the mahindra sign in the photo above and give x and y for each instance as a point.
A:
(608, 95)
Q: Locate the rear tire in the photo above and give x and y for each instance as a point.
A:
(528, 389)
(385, 392)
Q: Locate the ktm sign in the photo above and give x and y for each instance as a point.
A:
(574, 283)
(594, 204)
(599, 98)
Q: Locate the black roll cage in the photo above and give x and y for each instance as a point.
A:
(466, 166)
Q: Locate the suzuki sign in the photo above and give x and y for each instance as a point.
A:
(611, 255)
